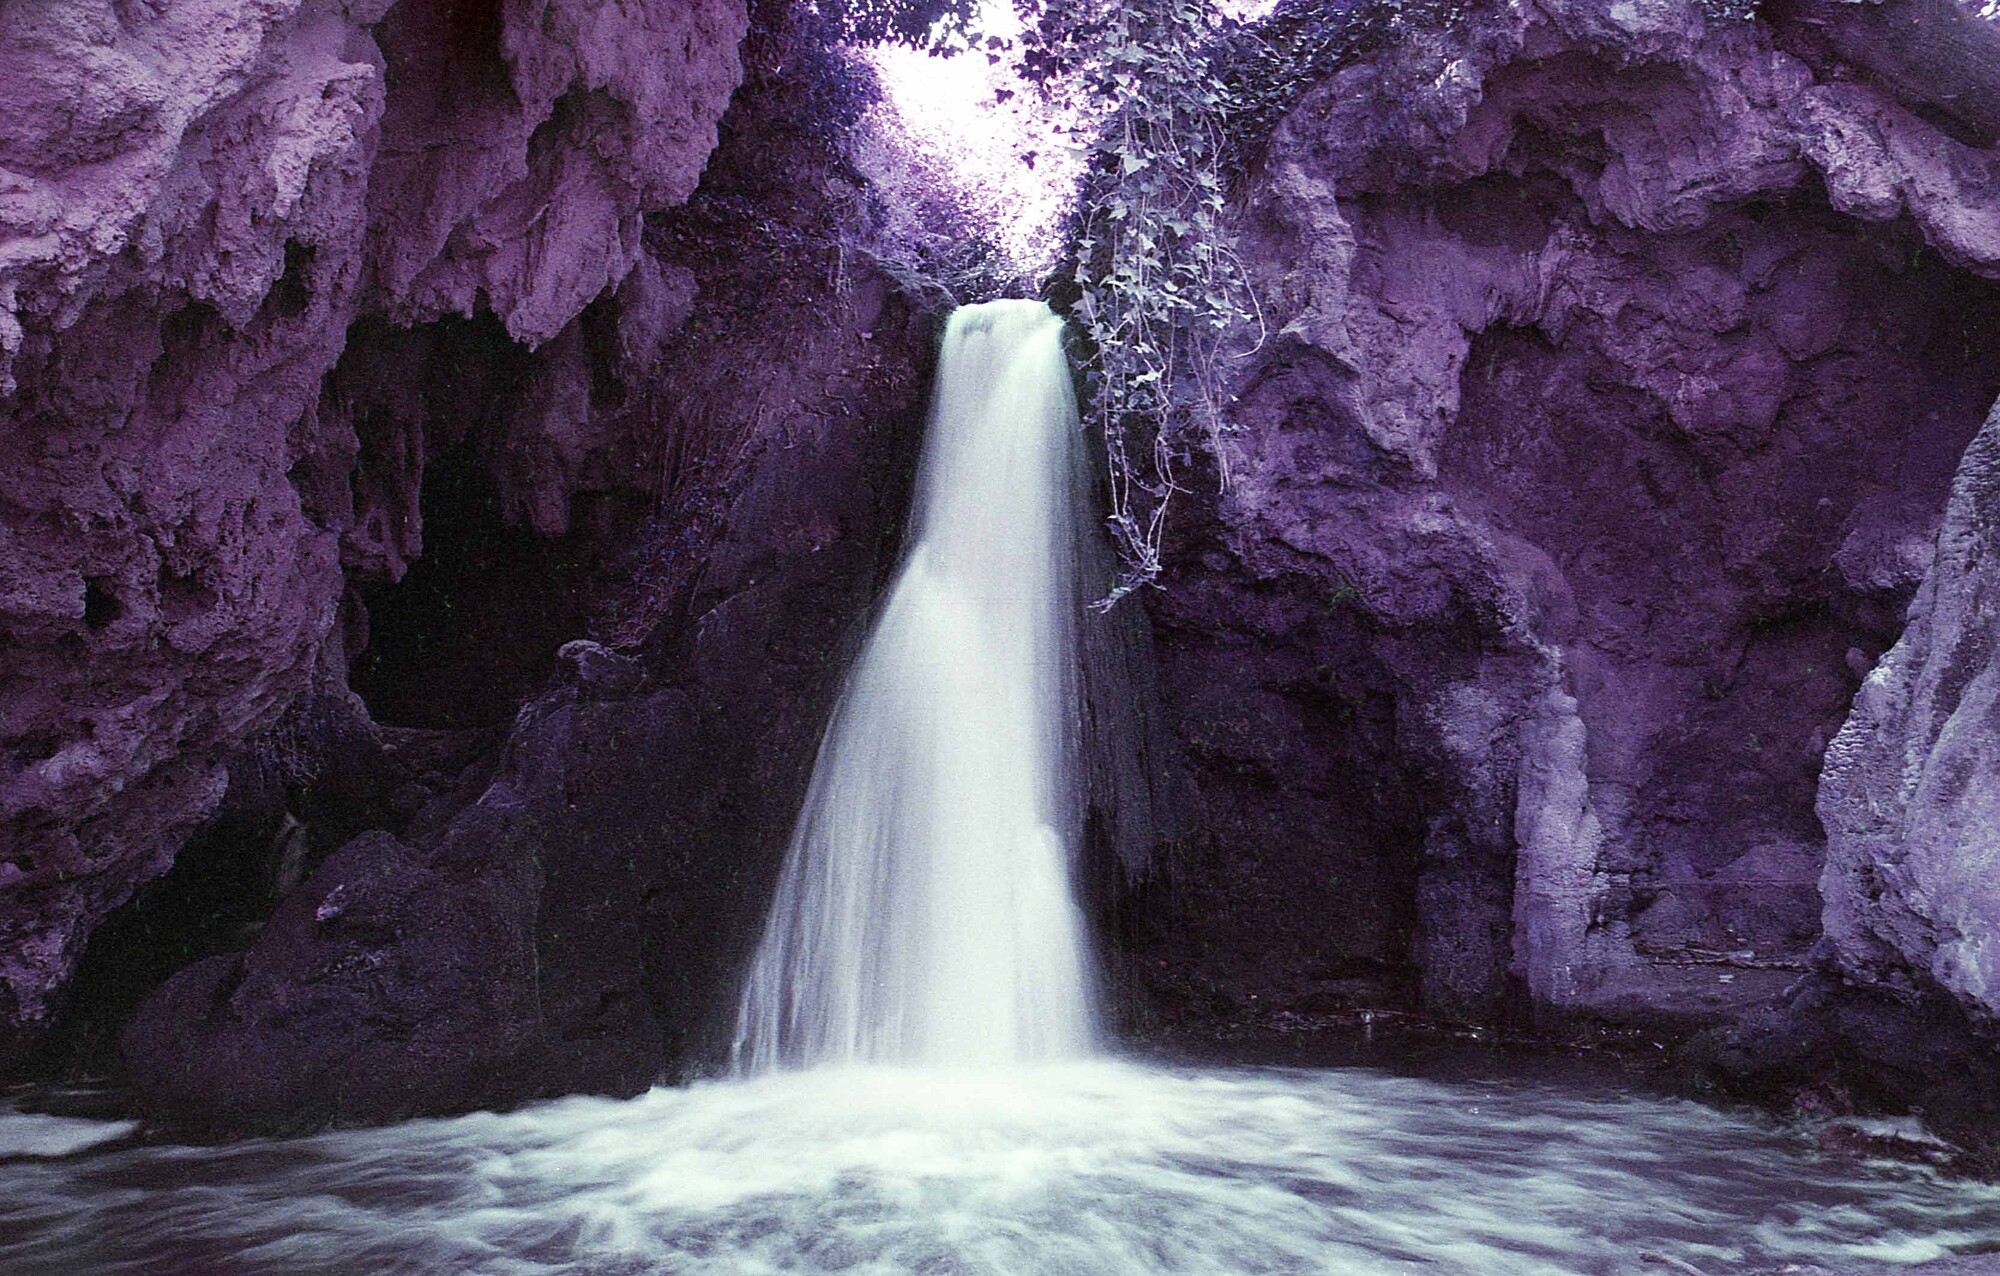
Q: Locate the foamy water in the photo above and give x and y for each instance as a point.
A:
(1099, 1167)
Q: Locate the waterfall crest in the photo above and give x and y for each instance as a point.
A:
(925, 913)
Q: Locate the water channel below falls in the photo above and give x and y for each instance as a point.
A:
(1094, 1167)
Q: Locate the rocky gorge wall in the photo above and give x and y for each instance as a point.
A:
(580, 924)
(1620, 358)
(451, 449)
(396, 336)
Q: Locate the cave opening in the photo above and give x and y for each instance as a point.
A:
(473, 625)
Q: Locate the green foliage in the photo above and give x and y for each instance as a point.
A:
(1187, 97)
(1158, 289)
(920, 24)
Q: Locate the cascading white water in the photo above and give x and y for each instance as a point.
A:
(925, 912)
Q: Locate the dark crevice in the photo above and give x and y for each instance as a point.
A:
(473, 627)
(101, 607)
(222, 886)
(292, 294)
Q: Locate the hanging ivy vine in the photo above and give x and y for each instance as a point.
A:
(1187, 97)
(1176, 100)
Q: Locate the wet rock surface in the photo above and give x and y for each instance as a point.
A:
(1619, 362)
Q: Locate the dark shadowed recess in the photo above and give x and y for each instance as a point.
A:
(447, 655)
(1297, 889)
(474, 625)
(318, 778)
(212, 901)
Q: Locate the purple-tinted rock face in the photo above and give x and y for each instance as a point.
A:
(593, 893)
(470, 357)
(606, 883)
(183, 228)
(524, 140)
(1911, 791)
(199, 199)
(389, 984)
(1619, 363)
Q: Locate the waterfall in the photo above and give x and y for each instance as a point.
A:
(925, 912)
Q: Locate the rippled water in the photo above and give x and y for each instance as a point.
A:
(1094, 1168)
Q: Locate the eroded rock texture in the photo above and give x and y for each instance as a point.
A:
(705, 469)
(579, 925)
(1620, 359)
(183, 234)
(201, 199)
(1911, 791)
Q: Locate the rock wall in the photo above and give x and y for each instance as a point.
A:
(1911, 791)
(267, 264)
(1619, 359)
(579, 926)
(717, 453)
(183, 235)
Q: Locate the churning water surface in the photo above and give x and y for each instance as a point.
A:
(1090, 1168)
